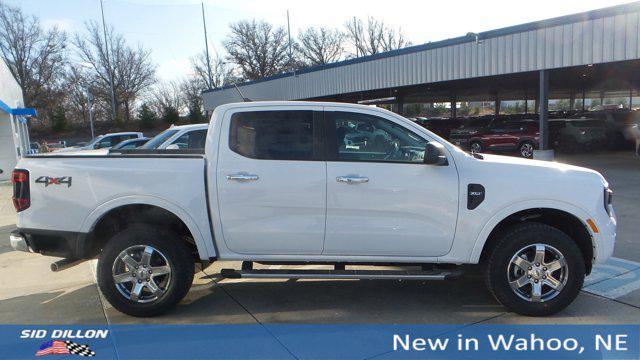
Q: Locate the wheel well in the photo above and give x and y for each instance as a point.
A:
(118, 219)
(561, 220)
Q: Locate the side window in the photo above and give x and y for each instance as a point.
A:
(191, 140)
(274, 135)
(361, 137)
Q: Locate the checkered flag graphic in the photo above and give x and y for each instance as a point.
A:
(77, 349)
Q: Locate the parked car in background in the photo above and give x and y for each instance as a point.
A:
(179, 137)
(575, 134)
(441, 126)
(471, 126)
(131, 143)
(105, 141)
(618, 124)
(34, 148)
(522, 136)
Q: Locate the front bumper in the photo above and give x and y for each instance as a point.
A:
(605, 241)
(70, 245)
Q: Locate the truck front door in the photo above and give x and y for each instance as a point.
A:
(271, 179)
(382, 199)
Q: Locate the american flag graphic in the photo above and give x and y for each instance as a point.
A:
(53, 347)
(59, 347)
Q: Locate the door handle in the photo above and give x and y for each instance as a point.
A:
(352, 179)
(242, 177)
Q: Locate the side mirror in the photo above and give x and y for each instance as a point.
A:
(173, 147)
(434, 154)
(96, 146)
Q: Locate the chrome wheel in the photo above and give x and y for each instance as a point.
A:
(537, 272)
(526, 150)
(476, 147)
(141, 273)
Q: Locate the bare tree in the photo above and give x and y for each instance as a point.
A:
(221, 72)
(77, 85)
(258, 48)
(133, 71)
(319, 46)
(191, 88)
(35, 57)
(374, 37)
(167, 96)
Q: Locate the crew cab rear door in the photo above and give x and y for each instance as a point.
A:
(271, 179)
(382, 200)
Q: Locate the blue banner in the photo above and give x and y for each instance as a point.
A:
(282, 341)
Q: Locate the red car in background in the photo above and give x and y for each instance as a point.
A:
(501, 134)
(441, 126)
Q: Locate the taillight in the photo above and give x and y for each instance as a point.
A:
(21, 193)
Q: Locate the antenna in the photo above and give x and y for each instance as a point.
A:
(245, 99)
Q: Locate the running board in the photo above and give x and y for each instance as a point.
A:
(340, 274)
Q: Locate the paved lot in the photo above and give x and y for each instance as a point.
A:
(32, 294)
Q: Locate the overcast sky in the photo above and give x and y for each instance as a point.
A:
(172, 29)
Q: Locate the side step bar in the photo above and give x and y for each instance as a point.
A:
(340, 274)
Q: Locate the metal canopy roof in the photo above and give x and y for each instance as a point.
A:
(602, 36)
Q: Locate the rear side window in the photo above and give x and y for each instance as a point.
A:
(275, 135)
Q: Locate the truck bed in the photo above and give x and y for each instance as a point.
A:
(70, 193)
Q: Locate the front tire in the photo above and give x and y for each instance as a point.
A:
(535, 269)
(144, 271)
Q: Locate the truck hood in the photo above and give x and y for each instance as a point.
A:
(528, 167)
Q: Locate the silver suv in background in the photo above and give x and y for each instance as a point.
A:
(104, 141)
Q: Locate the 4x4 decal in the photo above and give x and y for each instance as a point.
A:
(48, 180)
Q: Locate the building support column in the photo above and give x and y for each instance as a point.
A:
(572, 100)
(398, 106)
(543, 113)
(454, 108)
(584, 94)
(496, 106)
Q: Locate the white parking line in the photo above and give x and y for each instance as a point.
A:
(614, 279)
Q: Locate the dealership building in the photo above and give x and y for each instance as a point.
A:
(590, 55)
(14, 132)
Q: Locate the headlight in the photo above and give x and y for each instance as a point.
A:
(608, 199)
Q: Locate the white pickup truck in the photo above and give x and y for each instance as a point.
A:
(300, 183)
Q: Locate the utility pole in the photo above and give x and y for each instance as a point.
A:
(206, 47)
(289, 32)
(355, 33)
(106, 54)
(90, 105)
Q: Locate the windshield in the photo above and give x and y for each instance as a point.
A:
(159, 139)
(94, 141)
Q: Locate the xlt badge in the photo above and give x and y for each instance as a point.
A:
(475, 196)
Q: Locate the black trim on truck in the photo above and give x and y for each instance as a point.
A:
(120, 156)
(66, 244)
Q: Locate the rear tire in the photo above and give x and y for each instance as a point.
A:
(515, 261)
(144, 271)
